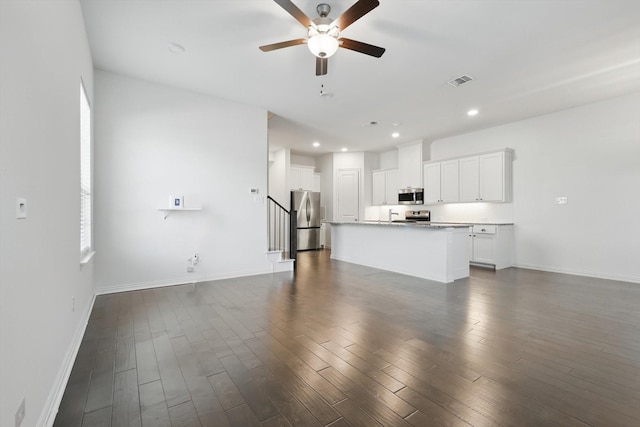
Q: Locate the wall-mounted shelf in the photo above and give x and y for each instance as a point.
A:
(167, 211)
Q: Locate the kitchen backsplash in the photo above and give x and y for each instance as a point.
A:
(450, 212)
(472, 212)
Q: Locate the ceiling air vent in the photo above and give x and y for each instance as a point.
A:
(458, 81)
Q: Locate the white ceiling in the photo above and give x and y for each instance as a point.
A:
(528, 57)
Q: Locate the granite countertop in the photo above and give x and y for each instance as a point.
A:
(419, 224)
(474, 223)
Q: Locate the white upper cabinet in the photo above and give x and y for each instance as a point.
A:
(441, 182)
(302, 178)
(378, 195)
(384, 185)
(486, 177)
(492, 177)
(449, 181)
(470, 179)
(431, 176)
(481, 178)
(410, 165)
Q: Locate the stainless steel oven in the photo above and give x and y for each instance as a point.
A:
(411, 196)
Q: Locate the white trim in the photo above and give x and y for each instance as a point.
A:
(52, 405)
(174, 282)
(87, 257)
(630, 279)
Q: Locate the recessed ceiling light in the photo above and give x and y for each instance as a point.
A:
(344, 149)
(395, 134)
(176, 48)
(316, 144)
(472, 112)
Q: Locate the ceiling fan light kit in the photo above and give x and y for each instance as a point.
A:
(322, 45)
(323, 34)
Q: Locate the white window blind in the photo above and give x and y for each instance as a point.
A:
(85, 173)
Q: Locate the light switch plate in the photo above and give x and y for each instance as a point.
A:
(21, 208)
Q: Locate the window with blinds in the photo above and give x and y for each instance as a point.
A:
(85, 173)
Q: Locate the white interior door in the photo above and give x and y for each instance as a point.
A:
(348, 195)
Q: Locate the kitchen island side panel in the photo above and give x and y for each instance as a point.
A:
(439, 254)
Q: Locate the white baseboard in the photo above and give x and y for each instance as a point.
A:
(48, 416)
(630, 279)
(173, 282)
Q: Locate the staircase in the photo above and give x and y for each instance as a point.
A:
(280, 261)
(282, 237)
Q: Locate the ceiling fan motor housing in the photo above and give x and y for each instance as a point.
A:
(323, 10)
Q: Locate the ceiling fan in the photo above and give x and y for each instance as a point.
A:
(323, 33)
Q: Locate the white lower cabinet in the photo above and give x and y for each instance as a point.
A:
(492, 245)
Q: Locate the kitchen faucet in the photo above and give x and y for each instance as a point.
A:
(391, 213)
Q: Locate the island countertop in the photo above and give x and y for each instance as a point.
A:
(420, 224)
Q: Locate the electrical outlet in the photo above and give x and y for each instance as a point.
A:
(20, 413)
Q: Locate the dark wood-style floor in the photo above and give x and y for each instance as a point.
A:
(342, 344)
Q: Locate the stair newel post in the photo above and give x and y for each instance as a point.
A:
(293, 235)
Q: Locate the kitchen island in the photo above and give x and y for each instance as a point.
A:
(438, 252)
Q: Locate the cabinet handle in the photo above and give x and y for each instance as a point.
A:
(484, 229)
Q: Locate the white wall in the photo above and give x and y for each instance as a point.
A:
(297, 159)
(278, 177)
(389, 160)
(325, 166)
(589, 154)
(153, 141)
(43, 55)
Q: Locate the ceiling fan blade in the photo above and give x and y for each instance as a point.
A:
(355, 12)
(321, 66)
(295, 12)
(367, 49)
(288, 43)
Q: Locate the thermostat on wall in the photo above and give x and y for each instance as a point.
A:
(21, 208)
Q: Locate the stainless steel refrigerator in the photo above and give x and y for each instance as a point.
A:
(307, 203)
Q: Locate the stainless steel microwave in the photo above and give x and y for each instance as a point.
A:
(411, 196)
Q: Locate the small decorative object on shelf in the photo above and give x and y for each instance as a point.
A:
(176, 202)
